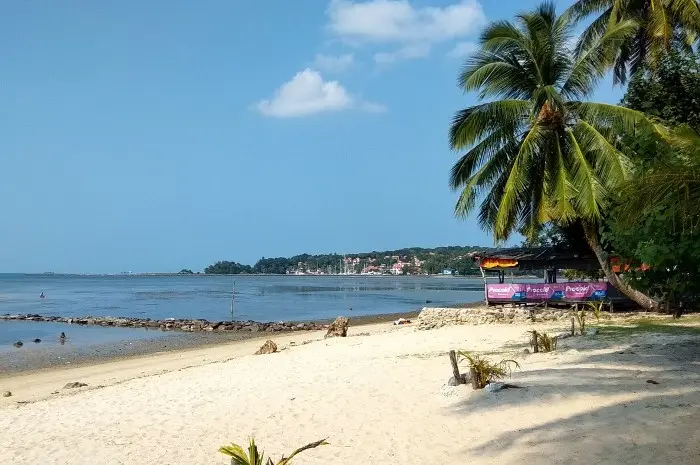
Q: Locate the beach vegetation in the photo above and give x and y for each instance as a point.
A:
(597, 309)
(483, 371)
(255, 457)
(655, 222)
(537, 150)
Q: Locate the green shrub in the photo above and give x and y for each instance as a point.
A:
(486, 371)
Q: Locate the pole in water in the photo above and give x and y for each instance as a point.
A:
(233, 297)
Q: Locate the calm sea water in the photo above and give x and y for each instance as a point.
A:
(260, 298)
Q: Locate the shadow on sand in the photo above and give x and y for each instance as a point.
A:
(618, 416)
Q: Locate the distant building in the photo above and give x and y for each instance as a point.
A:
(397, 268)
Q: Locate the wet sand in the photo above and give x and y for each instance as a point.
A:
(32, 357)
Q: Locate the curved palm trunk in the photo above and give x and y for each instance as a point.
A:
(640, 298)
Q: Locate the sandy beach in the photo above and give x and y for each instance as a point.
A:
(379, 396)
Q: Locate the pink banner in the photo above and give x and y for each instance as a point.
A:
(538, 292)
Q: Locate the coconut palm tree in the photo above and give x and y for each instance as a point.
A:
(538, 152)
(658, 24)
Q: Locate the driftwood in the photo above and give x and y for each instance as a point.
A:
(457, 377)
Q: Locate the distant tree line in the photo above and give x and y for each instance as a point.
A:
(434, 261)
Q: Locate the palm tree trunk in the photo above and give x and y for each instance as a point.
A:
(640, 298)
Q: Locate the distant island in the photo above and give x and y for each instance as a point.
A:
(452, 260)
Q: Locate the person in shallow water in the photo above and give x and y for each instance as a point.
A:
(62, 338)
(41, 296)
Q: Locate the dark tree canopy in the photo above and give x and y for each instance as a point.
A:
(227, 268)
(671, 91)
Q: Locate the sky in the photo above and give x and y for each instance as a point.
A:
(168, 134)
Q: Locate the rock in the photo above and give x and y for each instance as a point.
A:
(651, 381)
(36, 341)
(18, 344)
(464, 378)
(526, 351)
(495, 387)
(592, 332)
(7, 394)
(268, 348)
(339, 328)
(74, 385)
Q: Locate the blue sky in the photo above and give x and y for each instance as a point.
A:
(152, 136)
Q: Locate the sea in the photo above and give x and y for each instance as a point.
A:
(257, 297)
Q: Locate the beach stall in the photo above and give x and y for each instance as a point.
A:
(501, 265)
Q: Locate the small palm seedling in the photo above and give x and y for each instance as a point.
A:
(542, 342)
(597, 309)
(255, 457)
(547, 343)
(484, 372)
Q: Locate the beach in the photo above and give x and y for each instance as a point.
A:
(379, 396)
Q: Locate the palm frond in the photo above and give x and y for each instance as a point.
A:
(516, 183)
(595, 58)
(612, 166)
(473, 123)
(591, 194)
(629, 120)
(585, 8)
(313, 445)
(237, 454)
(676, 188)
(481, 181)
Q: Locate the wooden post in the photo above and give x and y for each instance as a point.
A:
(535, 347)
(573, 328)
(233, 297)
(455, 368)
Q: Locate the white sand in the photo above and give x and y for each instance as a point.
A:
(380, 399)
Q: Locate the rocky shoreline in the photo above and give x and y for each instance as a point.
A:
(173, 324)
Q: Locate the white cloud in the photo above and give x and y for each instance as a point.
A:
(463, 50)
(307, 93)
(404, 53)
(332, 63)
(397, 21)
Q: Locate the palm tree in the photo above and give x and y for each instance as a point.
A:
(537, 151)
(658, 24)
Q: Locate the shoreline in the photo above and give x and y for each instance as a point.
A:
(36, 360)
(613, 397)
